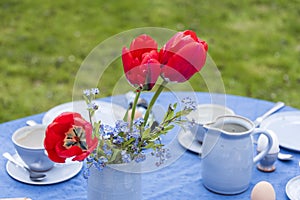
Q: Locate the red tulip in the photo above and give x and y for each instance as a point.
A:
(182, 56)
(69, 135)
(140, 62)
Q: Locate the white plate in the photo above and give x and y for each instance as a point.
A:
(189, 141)
(108, 113)
(286, 126)
(59, 173)
(206, 113)
(293, 188)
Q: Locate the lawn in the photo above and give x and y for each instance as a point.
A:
(255, 45)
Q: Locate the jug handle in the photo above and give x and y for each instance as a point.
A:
(262, 154)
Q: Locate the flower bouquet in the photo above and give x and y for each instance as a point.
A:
(70, 136)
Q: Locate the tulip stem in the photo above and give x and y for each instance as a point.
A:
(154, 98)
(137, 96)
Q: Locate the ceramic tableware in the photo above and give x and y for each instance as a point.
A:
(28, 142)
(267, 164)
(34, 176)
(285, 156)
(203, 114)
(293, 188)
(227, 154)
(58, 173)
(108, 113)
(286, 126)
(187, 139)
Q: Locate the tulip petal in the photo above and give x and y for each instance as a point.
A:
(81, 157)
(56, 136)
(177, 42)
(127, 59)
(192, 34)
(67, 153)
(141, 45)
(137, 62)
(54, 157)
(67, 117)
(54, 132)
(185, 63)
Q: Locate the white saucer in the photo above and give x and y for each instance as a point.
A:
(59, 173)
(189, 141)
(293, 188)
(108, 113)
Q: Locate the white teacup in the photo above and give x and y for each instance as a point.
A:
(203, 114)
(29, 144)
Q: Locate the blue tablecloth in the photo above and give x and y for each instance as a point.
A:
(179, 180)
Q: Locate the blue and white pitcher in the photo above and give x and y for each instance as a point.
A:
(227, 154)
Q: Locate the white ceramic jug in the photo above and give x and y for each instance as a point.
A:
(227, 154)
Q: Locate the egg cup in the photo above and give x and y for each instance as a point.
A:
(267, 164)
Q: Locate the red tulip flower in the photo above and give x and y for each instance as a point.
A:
(140, 62)
(69, 135)
(182, 56)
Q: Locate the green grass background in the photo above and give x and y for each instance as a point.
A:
(254, 43)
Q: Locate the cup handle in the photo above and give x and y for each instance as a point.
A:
(262, 154)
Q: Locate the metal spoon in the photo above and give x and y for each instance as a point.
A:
(31, 123)
(275, 108)
(284, 157)
(34, 176)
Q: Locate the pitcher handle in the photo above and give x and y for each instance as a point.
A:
(262, 154)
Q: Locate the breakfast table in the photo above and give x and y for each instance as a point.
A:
(178, 179)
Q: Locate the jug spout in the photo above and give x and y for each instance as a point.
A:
(230, 124)
(211, 125)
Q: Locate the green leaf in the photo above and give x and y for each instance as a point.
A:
(169, 114)
(153, 145)
(96, 128)
(150, 145)
(146, 133)
(168, 128)
(182, 113)
(92, 112)
(128, 142)
(115, 153)
(126, 115)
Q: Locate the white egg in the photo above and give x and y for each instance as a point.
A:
(262, 143)
(263, 191)
(137, 113)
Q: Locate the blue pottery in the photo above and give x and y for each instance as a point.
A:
(114, 182)
(227, 154)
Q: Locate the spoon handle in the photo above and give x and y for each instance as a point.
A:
(11, 159)
(276, 107)
(31, 123)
